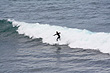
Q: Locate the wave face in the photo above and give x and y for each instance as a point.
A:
(6, 28)
(75, 38)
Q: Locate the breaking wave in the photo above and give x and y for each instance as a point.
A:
(75, 38)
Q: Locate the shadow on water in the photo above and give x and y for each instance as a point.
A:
(58, 49)
(58, 55)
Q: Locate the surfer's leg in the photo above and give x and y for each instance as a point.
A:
(57, 39)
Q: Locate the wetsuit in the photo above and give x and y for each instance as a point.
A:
(58, 34)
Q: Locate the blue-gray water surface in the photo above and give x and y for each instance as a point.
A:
(21, 54)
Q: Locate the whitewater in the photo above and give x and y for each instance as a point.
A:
(73, 37)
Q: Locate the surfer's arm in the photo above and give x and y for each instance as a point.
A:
(54, 34)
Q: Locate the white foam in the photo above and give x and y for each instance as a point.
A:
(75, 38)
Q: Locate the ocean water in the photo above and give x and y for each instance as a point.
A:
(27, 44)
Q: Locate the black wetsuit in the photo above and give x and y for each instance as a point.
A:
(58, 34)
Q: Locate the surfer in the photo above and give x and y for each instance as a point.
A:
(58, 34)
